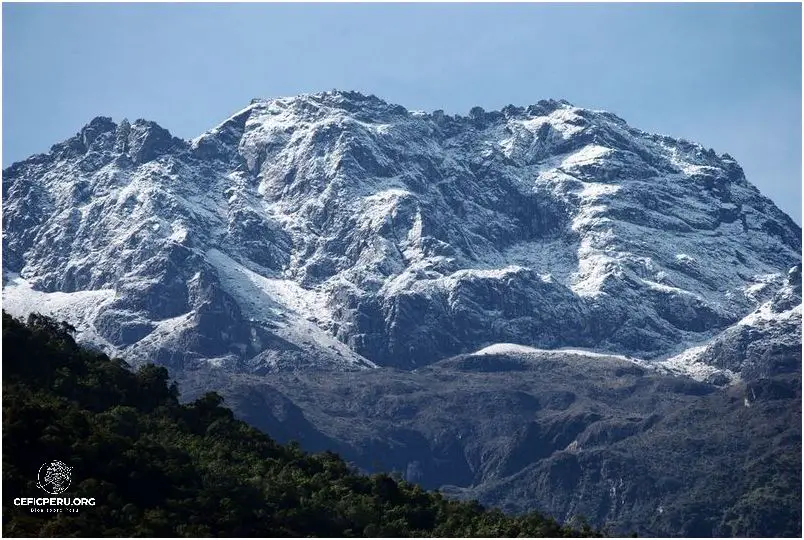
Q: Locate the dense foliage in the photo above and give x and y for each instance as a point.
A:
(160, 468)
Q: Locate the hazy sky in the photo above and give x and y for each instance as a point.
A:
(725, 75)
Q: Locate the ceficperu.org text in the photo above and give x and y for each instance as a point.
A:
(54, 501)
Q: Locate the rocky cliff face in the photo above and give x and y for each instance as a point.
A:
(340, 231)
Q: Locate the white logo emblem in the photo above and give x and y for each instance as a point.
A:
(54, 477)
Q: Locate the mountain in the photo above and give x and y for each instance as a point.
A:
(338, 229)
(366, 278)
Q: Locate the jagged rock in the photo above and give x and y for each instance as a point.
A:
(397, 237)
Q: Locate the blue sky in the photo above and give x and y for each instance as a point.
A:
(725, 75)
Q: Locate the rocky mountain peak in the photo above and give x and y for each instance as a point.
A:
(338, 230)
(96, 128)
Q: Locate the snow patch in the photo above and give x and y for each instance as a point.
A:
(298, 314)
(79, 308)
(516, 349)
(585, 155)
(689, 363)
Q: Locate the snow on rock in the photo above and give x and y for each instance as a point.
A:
(689, 363)
(336, 229)
(514, 349)
(20, 299)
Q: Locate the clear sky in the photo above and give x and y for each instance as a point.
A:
(725, 75)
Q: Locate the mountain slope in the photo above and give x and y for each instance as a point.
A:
(340, 231)
(567, 433)
(158, 468)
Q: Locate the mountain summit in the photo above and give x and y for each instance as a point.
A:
(338, 231)
(508, 306)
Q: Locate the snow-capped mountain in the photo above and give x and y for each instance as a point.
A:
(338, 231)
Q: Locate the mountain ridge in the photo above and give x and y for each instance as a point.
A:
(377, 215)
(539, 296)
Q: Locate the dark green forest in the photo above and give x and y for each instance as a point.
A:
(157, 467)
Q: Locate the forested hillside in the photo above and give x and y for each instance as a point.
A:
(159, 468)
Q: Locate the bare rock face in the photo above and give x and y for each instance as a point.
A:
(360, 233)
